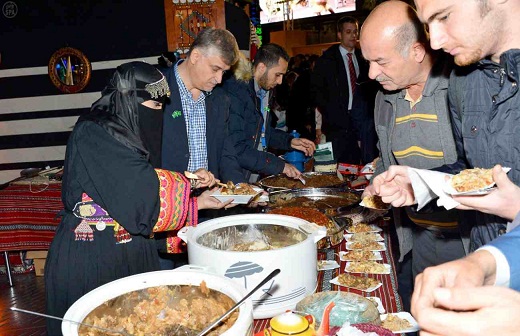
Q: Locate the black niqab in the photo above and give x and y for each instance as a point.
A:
(120, 112)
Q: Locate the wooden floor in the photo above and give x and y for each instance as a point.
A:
(28, 293)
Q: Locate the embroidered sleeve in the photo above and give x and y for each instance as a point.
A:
(177, 208)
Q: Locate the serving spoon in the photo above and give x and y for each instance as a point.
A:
(71, 321)
(239, 303)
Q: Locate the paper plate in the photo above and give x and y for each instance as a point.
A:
(387, 269)
(237, 199)
(377, 236)
(368, 290)
(448, 189)
(374, 228)
(382, 247)
(324, 265)
(376, 256)
(405, 316)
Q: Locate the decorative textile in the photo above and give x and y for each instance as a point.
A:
(28, 220)
(352, 72)
(174, 190)
(173, 243)
(195, 118)
(93, 214)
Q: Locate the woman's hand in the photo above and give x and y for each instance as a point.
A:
(206, 179)
(206, 201)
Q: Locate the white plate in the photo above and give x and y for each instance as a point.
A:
(387, 269)
(374, 228)
(382, 247)
(377, 256)
(405, 316)
(324, 265)
(237, 199)
(378, 303)
(378, 237)
(368, 290)
(448, 189)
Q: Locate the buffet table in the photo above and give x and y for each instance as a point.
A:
(28, 217)
(387, 292)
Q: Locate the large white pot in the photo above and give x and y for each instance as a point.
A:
(298, 263)
(186, 275)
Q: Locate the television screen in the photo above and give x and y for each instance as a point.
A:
(273, 10)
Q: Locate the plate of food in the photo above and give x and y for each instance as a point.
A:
(399, 323)
(366, 246)
(378, 303)
(359, 255)
(241, 193)
(363, 237)
(363, 227)
(374, 202)
(476, 181)
(367, 267)
(325, 265)
(363, 283)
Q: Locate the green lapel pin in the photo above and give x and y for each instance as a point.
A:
(176, 114)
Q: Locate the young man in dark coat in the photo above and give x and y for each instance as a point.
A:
(251, 94)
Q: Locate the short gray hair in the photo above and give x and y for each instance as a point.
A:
(219, 40)
(409, 33)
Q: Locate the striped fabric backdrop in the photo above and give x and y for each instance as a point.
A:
(36, 119)
(34, 129)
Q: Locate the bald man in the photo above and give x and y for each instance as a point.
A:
(412, 123)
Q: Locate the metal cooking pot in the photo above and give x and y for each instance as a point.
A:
(298, 262)
(282, 182)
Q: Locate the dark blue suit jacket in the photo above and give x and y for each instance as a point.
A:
(222, 160)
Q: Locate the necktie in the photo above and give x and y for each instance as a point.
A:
(352, 72)
(264, 110)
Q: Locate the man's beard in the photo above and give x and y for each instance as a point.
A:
(262, 81)
(473, 57)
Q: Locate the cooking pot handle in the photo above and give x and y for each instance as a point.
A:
(319, 234)
(184, 232)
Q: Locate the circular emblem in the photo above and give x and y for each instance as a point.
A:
(10, 9)
(100, 226)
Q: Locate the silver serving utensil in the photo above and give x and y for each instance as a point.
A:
(239, 303)
(71, 321)
(302, 180)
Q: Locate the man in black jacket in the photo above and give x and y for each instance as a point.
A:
(333, 87)
(251, 94)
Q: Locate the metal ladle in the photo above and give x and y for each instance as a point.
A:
(239, 303)
(71, 321)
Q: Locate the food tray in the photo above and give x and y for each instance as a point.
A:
(282, 182)
(328, 200)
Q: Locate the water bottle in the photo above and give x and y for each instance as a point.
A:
(295, 157)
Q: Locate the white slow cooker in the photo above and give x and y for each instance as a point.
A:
(298, 262)
(186, 275)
